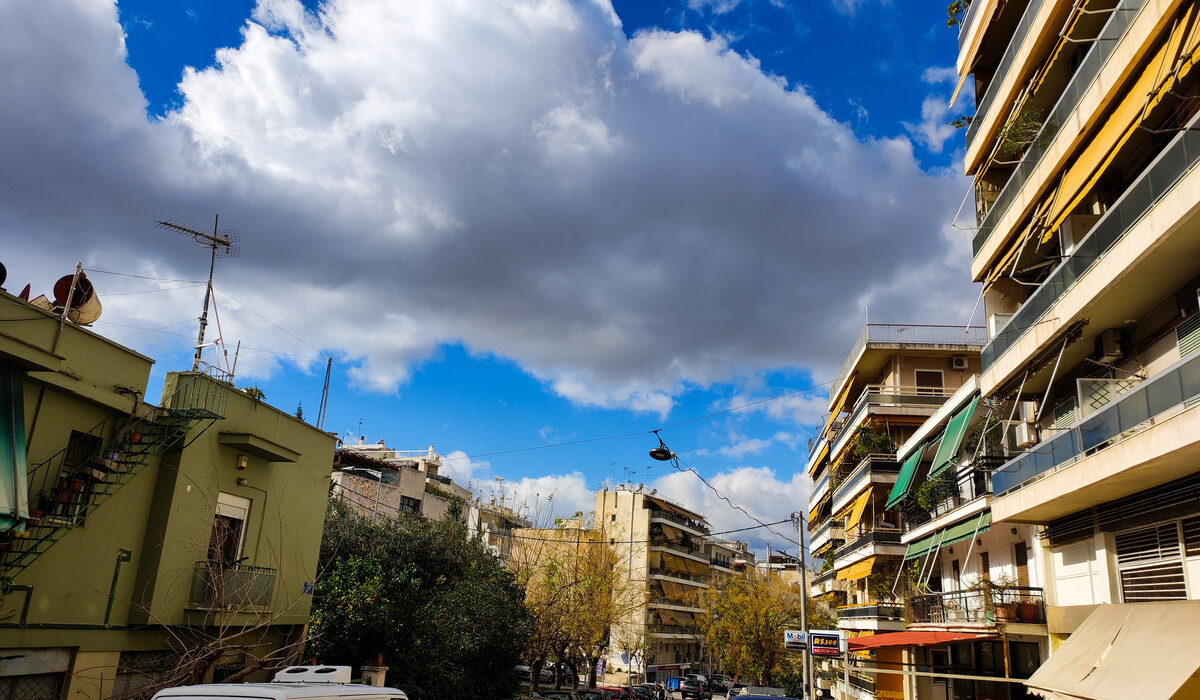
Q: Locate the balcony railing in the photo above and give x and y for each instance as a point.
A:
(908, 334)
(1134, 411)
(878, 536)
(679, 519)
(882, 395)
(673, 573)
(664, 600)
(1014, 45)
(1175, 161)
(1118, 23)
(823, 577)
(971, 486)
(682, 547)
(826, 529)
(872, 611)
(216, 586)
(988, 606)
(674, 629)
(871, 464)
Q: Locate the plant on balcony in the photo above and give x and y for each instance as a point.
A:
(869, 442)
(933, 491)
(827, 560)
(1019, 132)
(955, 11)
(881, 583)
(986, 439)
(999, 599)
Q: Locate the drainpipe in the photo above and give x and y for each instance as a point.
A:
(123, 555)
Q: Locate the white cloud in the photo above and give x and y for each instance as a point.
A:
(460, 467)
(718, 7)
(934, 129)
(622, 218)
(742, 445)
(758, 490)
(940, 74)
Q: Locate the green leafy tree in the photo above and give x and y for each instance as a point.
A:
(446, 617)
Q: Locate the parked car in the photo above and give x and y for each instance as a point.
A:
(699, 690)
(762, 691)
(615, 693)
(292, 683)
(766, 697)
(719, 683)
(656, 691)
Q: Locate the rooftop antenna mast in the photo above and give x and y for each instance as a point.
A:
(224, 244)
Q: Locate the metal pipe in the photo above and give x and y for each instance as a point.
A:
(1053, 374)
(123, 555)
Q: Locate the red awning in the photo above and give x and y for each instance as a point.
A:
(912, 639)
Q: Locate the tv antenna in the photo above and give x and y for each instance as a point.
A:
(225, 243)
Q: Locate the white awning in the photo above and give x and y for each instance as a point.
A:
(1139, 650)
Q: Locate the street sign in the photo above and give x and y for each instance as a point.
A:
(794, 639)
(825, 642)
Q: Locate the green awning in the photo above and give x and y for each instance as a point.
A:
(907, 472)
(955, 533)
(952, 439)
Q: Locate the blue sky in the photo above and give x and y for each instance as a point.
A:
(513, 229)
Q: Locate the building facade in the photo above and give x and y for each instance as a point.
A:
(1083, 147)
(145, 541)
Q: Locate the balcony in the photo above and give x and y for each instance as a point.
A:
(889, 400)
(829, 531)
(1079, 85)
(971, 486)
(683, 547)
(872, 611)
(1147, 437)
(1159, 178)
(231, 588)
(984, 101)
(673, 631)
(897, 335)
(673, 603)
(878, 542)
(877, 468)
(689, 523)
(680, 575)
(1003, 605)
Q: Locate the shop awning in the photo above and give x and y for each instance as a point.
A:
(907, 472)
(1139, 650)
(857, 510)
(912, 639)
(952, 439)
(955, 533)
(856, 571)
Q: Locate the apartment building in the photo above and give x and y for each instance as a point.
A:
(663, 559)
(379, 481)
(1083, 147)
(973, 593)
(141, 541)
(893, 379)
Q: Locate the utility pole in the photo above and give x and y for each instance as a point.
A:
(801, 523)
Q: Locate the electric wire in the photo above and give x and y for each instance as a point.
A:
(142, 277)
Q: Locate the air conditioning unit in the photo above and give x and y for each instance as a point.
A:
(1108, 345)
(958, 362)
(1025, 435)
(1027, 411)
(995, 322)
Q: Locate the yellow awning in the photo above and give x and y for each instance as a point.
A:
(816, 465)
(816, 511)
(856, 571)
(840, 403)
(857, 510)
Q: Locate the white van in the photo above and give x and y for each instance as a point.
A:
(292, 683)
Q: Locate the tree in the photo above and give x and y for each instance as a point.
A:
(744, 623)
(447, 617)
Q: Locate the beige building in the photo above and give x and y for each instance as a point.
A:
(380, 481)
(1084, 146)
(663, 558)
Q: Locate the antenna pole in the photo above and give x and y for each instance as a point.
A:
(207, 295)
(325, 394)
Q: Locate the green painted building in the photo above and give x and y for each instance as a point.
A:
(140, 539)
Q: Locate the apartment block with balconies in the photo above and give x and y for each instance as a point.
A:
(1083, 147)
(894, 378)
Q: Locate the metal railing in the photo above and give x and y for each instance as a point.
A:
(971, 485)
(871, 464)
(823, 577)
(877, 536)
(1118, 23)
(216, 586)
(991, 605)
(826, 529)
(909, 334)
(984, 102)
(1175, 161)
(871, 611)
(882, 395)
(674, 573)
(687, 522)
(1135, 410)
(967, 20)
(665, 600)
(688, 548)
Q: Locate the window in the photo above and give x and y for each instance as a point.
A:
(1151, 564)
(929, 382)
(956, 573)
(81, 467)
(985, 566)
(1021, 562)
(228, 531)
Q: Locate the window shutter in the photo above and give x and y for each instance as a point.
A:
(1151, 564)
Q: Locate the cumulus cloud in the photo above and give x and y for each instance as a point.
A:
(624, 218)
(940, 74)
(934, 129)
